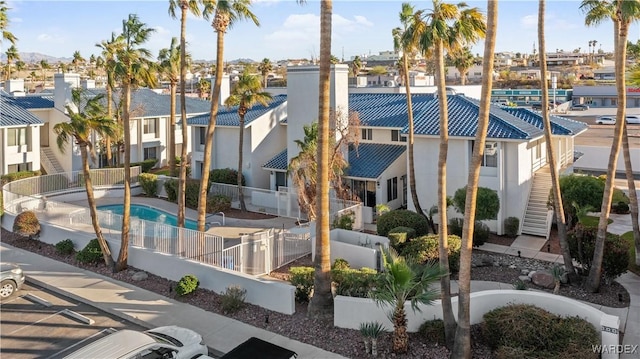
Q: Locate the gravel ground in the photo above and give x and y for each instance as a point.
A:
(319, 333)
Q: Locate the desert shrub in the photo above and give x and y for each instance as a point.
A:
(538, 333)
(218, 203)
(480, 234)
(149, 183)
(433, 331)
(10, 177)
(91, 253)
(65, 246)
(232, 300)
(192, 193)
(340, 264)
(487, 202)
(582, 241)
(583, 191)
(399, 235)
(511, 226)
(354, 282)
(225, 175)
(455, 226)
(302, 279)
(345, 220)
(402, 218)
(621, 208)
(187, 284)
(425, 248)
(171, 186)
(26, 224)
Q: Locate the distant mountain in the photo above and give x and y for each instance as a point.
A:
(35, 57)
(246, 61)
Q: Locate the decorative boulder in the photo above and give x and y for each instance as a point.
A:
(543, 279)
(138, 276)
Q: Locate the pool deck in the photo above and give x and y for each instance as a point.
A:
(232, 229)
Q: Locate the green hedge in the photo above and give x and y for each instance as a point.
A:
(402, 218)
(480, 230)
(511, 226)
(187, 284)
(225, 175)
(149, 183)
(616, 250)
(354, 282)
(192, 191)
(218, 203)
(10, 177)
(426, 248)
(302, 278)
(65, 246)
(91, 253)
(487, 202)
(399, 235)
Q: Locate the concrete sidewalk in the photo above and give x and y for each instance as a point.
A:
(143, 307)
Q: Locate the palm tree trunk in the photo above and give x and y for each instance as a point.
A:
(104, 246)
(551, 153)
(243, 207)
(321, 304)
(211, 127)
(462, 343)
(400, 341)
(182, 179)
(172, 130)
(126, 207)
(620, 37)
(633, 194)
(443, 248)
(110, 115)
(412, 168)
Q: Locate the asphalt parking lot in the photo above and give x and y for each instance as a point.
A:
(29, 329)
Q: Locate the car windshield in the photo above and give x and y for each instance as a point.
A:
(163, 338)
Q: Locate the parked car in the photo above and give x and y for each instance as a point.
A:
(163, 342)
(258, 348)
(633, 119)
(606, 120)
(579, 107)
(11, 279)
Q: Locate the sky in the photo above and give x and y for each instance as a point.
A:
(287, 30)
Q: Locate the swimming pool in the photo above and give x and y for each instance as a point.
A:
(149, 214)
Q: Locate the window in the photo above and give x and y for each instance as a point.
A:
(395, 135)
(202, 134)
(150, 126)
(490, 158)
(16, 136)
(392, 189)
(367, 134)
(20, 167)
(150, 153)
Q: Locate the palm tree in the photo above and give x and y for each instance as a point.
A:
(44, 66)
(133, 68)
(12, 55)
(633, 194)
(356, 66)
(265, 67)
(404, 281)
(77, 60)
(446, 26)
(245, 93)
(551, 152)
(622, 13)
(462, 343)
(4, 24)
(170, 66)
(463, 60)
(109, 50)
(226, 14)
(20, 65)
(321, 304)
(186, 6)
(79, 128)
(204, 87)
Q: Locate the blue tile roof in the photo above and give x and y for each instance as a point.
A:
(229, 116)
(278, 162)
(148, 103)
(35, 102)
(559, 125)
(369, 160)
(386, 110)
(12, 113)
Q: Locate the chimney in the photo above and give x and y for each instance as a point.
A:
(302, 99)
(225, 89)
(63, 83)
(88, 84)
(14, 85)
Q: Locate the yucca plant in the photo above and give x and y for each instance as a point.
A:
(557, 272)
(365, 330)
(371, 331)
(520, 285)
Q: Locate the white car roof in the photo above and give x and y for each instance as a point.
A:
(116, 345)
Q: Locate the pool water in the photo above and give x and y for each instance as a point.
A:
(149, 214)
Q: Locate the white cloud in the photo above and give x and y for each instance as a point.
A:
(552, 23)
(529, 21)
(50, 38)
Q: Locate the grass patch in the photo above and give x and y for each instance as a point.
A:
(632, 253)
(164, 172)
(592, 221)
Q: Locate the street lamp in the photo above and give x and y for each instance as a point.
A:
(554, 85)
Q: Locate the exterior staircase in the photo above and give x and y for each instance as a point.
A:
(537, 220)
(49, 162)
